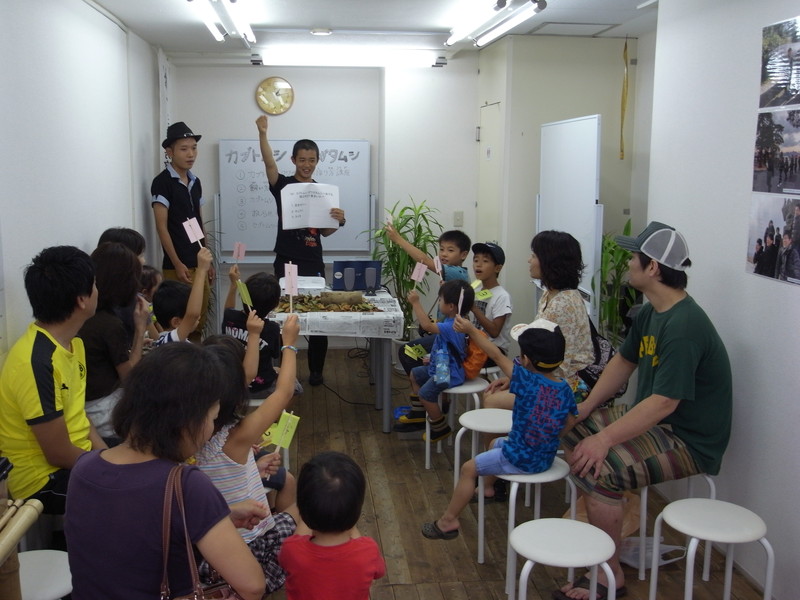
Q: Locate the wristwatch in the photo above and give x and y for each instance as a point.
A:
(342, 222)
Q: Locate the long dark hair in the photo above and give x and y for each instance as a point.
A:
(118, 271)
(560, 259)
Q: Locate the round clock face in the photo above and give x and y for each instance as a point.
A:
(275, 95)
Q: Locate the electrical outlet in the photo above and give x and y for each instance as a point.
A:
(458, 218)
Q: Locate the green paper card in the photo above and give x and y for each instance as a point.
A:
(244, 294)
(483, 295)
(415, 352)
(281, 433)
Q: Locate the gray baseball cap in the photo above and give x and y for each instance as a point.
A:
(660, 242)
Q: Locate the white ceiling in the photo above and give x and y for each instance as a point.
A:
(413, 24)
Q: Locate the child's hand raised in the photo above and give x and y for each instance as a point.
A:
(204, 258)
(392, 233)
(255, 324)
(463, 325)
(413, 297)
(233, 274)
(290, 331)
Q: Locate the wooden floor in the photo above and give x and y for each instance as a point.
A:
(401, 494)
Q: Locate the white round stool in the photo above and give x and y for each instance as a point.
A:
(562, 543)
(481, 420)
(471, 387)
(712, 493)
(44, 575)
(715, 521)
(491, 373)
(558, 470)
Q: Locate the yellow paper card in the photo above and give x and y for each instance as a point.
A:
(483, 295)
(244, 293)
(475, 283)
(282, 432)
(415, 352)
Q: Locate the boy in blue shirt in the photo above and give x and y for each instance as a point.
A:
(544, 407)
(454, 247)
(425, 388)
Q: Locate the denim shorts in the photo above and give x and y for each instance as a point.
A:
(494, 462)
(429, 390)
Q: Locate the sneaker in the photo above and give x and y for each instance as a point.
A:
(315, 378)
(409, 427)
(437, 435)
(413, 416)
(500, 490)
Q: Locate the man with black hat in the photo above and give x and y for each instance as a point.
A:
(178, 196)
(680, 422)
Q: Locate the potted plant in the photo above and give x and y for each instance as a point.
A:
(615, 295)
(417, 224)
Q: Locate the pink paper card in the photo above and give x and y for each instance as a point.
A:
(193, 230)
(238, 251)
(290, 279)
(418, 274)
(437, 265)
(460, 300)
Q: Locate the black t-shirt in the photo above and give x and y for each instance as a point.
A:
(300, 246)
(234, 323)
(183, 204)
(107, 345)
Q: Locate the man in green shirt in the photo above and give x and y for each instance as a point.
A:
(680, 422)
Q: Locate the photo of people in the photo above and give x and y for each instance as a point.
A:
(773, 247)
(780, 64)
(776, 159)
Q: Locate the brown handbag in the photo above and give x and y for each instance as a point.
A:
(214, 591)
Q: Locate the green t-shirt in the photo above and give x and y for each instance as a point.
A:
(680, 355)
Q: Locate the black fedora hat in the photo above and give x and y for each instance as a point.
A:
(178, 131)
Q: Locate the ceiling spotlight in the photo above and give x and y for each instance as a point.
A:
(500, 5)
(540, 4)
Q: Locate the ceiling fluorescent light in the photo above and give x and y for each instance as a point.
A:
(240, 22)
(207, 14)
(517, 18)
(475, 21)
(346, 56)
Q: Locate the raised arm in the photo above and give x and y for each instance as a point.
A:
(501, 360)
(233, 276)
(266, 150)
(195, 303)
(419, 312)
(414, 252)
(250, 429)
(255, 325)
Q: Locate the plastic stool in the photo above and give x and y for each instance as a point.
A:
(558, 470)
(714, 521)
(712, 493)
(472, 387)
(44, 575)
(491, 373)
(481, 420)
(561, 543)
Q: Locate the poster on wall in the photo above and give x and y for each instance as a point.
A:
(773, 238)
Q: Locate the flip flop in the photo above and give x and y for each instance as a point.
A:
(432, 532)
(584, 583)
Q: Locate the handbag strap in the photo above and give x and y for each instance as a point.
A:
(174, 489)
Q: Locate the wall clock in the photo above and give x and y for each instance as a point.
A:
(275, 95)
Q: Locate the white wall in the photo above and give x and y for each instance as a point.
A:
(67, 134)
(706, 94)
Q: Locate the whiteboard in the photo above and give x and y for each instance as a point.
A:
(248, 213)
(570, 189)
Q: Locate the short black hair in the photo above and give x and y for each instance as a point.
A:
(305, 144)
(457, 237)
(54, 281)
(759, 242)
(668, 276)
(544, 348)
(170, 301)
(149, 277)
(166, 399)
(450, 292)
(235, 399)
(330, 492)
(118, 273)
(130, 238)
(265, 292)
(560, 259)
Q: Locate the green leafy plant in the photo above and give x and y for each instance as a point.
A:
(616, 296)
(418, 225)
